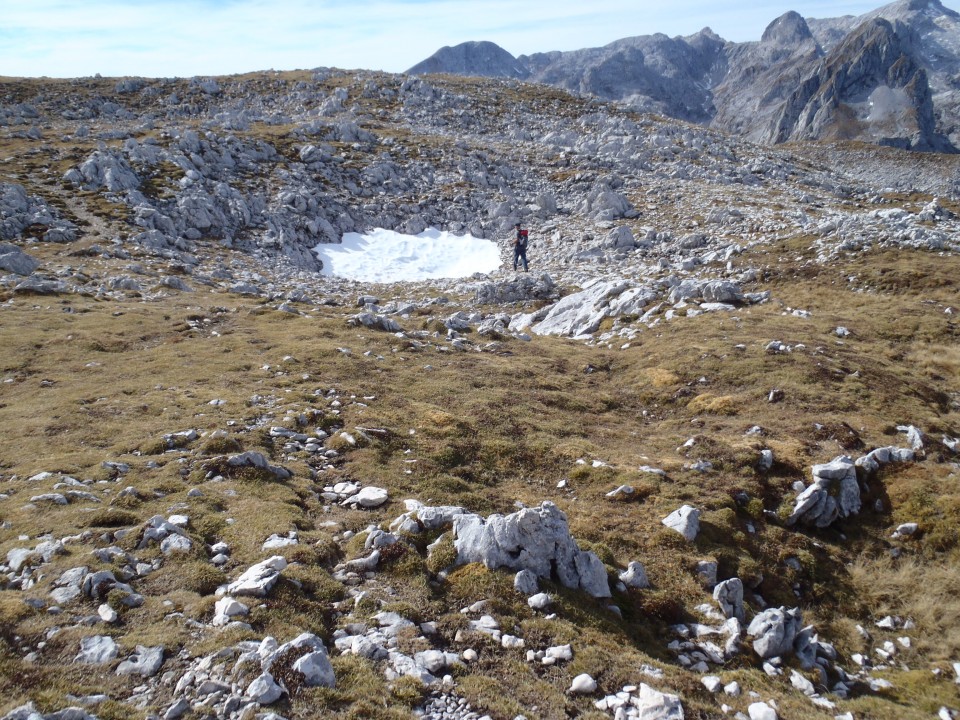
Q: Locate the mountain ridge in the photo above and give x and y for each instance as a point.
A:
(744, 87)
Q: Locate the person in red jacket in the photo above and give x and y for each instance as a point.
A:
(520, 247)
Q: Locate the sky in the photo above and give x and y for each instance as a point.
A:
(388, 256)
(186, 38)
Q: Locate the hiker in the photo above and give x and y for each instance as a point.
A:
(520, 248)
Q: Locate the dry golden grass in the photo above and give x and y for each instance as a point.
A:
(108, 380)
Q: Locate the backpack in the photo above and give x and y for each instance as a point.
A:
(522, 239)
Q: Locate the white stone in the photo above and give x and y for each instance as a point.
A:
(175, 544)
(370, 497)
(278, 541)
(802, 684)
(146, 662)
(96, 650)
(107, 613)
(712, 683)
(651, 703)
(761, 711)
(540, 601)
(685, 520)
(525, 582)
(635, 576)
(511, 641)
(260, 578)
(264, 690)
(535, 539)
(774, 631)
(226, 609)
(729, 596)
(583, 684)
(314, 665)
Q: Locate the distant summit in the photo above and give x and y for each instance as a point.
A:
(482, 59)
(887, 77)
(788, 29)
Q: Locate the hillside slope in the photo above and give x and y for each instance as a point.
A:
(230, 486)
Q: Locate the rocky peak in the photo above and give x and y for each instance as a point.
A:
(788, 29)
(869, 86)
(482, 58)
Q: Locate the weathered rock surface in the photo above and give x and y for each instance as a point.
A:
(685, 520)
(259, 579)
(535, 539)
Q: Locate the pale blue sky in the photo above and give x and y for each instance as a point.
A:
(166, 38)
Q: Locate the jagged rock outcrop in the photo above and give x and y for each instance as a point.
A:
(869, 87)
(762, 75)
(535, 539)
(21, 213)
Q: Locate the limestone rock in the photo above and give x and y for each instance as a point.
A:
(729, 596)
(635, 576)
(226, 609)
(583, 684)
(14, 260)
(581, 313)
(761, 711)
(525, 583)
(255, 459)
(685, 520)
(146, 662)
(368, 497)
(260, 578)
(264, 690)
(774, 631)
(655, 704)
(96, 650)
(540, 601)
(535, 539)
(313, 661)
(834, 493)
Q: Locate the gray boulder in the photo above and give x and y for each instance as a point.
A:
(871, 463)
(264, 690)
(312, 661)
(375, 321)
(621, 238)
(582, 312)
(834, 493)
(729, 596)
(525, 583)
(774, 631)
(254, 459)
(96, 650)
(651, 703)
(635, 576)
(146, 662)
(14, 260)
(535, 539)
(685, 520)
(721, 291)
(259, 579)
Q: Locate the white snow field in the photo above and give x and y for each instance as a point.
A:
(387, 256)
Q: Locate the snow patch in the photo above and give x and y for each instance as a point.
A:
(388, 256)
